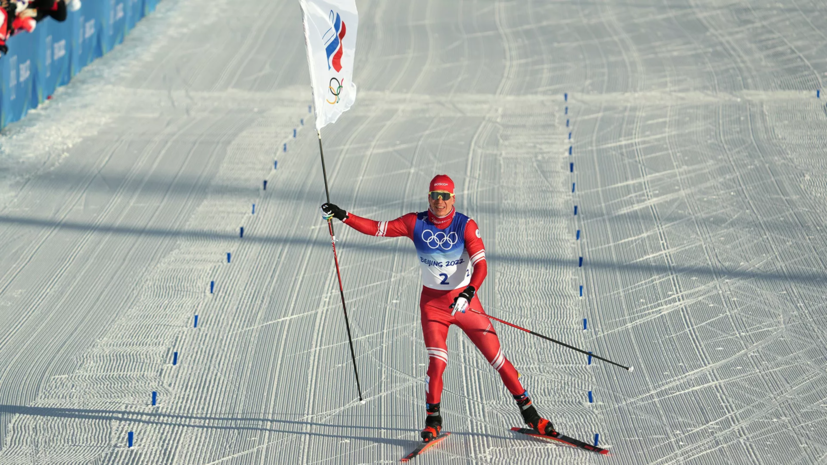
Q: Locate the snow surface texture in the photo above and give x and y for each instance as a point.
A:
(698, 149)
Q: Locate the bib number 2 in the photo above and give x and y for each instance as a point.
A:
(444, 279)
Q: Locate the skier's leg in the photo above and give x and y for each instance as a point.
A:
(435, 331)
(481, 332)
(479, 329)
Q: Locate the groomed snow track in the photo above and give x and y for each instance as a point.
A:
(697, 144)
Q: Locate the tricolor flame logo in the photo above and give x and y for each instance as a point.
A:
(333, 42)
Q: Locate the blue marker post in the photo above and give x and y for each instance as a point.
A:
(302, 121)
(567, 110)
(575, 210)
(294, 133)
(212, 287)
(265, 184)
(228, 257)
(566, 97)
(570, 149)
(154, 398)
(585, 326)
(571, 167)
(275, 164)
(591, 397)
(196, 322)
(569, 135)
(175, 358)
(572, 188)
(581, 291)
(581, 262)
(568, 122)
(254, 209)
(285, 146)
(578, 234)
(590, 358)
(241, 232)
(596, 437)
(130, 436)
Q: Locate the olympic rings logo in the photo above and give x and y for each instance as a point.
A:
(439, 239)
(335, 89)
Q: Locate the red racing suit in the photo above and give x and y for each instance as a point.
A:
(452, 257)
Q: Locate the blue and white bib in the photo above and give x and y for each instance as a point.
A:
(442, 255)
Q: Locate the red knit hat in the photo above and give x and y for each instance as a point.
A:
(442, 183)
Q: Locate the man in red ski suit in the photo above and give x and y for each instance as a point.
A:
(452, 258)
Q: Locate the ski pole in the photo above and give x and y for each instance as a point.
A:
(629, 368)
(338, 273)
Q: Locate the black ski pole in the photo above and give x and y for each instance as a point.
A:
(338, 273)
(629, 368)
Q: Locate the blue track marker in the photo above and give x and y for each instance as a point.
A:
(590, 358)
(129, 438)
(570, 149)
(228, 257)
(575, 210)
(285, 146)
(175, 358)
(585, 326)
(302, 121)
(195, 325)
(591, 397)
(578, 234)
(275, 164)
(212, 287)
(571, 167)
(569, 135)
(581, 261)
(572, 188)
(154, 398)
(581, 291)
(294, 133)
(254, 209)
(566, 97)
(265, 184)
(241, 232)
(568, 122)
(596, 437)
(567, 110)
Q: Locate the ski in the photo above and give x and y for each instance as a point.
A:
(425, 446)
(557, 437)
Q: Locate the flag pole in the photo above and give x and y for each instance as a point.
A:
(338, 273)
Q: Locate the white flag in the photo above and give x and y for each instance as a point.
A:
(330, 37)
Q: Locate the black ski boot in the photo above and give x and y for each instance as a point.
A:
(531, 417)
(433, 423)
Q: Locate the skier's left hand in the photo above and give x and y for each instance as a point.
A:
(462, 300)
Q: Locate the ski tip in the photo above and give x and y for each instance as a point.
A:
(631, 369)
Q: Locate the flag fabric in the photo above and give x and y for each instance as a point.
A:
(330, 36)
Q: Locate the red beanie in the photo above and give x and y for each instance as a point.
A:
(441, 182)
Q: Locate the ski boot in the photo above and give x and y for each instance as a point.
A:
(433, 423)
(531, 417)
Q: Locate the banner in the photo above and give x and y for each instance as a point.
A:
(40, 62)
(330, 36)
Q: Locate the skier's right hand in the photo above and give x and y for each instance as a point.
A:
(330, 210)
(4, 50)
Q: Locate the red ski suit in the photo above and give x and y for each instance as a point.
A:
(435, 303)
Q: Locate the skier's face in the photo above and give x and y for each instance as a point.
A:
(441, 207)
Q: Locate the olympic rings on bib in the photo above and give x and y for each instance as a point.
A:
(439, 239)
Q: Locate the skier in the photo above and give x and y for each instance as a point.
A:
(452, 259)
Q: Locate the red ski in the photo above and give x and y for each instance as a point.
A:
(557, 437)
(425, 446)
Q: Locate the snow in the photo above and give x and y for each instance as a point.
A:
(698, 146)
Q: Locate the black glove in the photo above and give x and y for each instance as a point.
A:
(330, 210)
(4, 50)
(467, 294)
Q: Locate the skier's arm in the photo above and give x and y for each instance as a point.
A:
(476, 250)
(402, 226)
